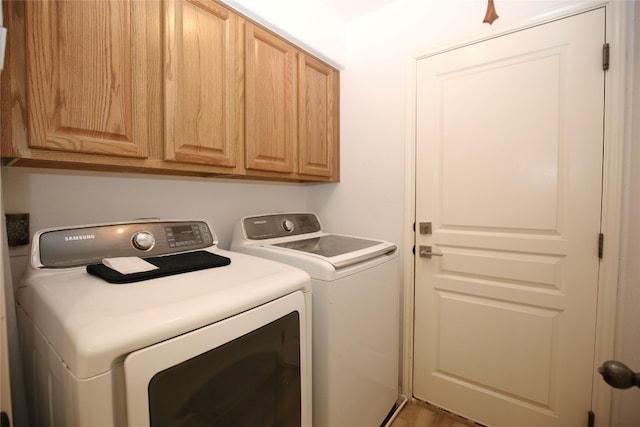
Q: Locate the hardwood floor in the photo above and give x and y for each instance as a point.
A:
(418, 414)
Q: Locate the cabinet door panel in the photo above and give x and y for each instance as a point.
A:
(270, 101)
(318, 117)
(86, 93)
(203, 120)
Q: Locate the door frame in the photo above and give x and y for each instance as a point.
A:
(618, 34)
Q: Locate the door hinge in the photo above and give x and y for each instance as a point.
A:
(600, 245)
(605, 56)
(591, 419)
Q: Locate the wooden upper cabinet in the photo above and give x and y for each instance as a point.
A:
(270, 97)
(202, 82)
(292, 107)
(86, 84)
(167, 87)
(318, 119)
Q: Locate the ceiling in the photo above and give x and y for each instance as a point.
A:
(352, 9)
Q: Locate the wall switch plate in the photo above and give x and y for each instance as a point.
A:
(17, 229)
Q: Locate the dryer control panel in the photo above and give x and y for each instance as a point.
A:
(76, 246)
(280, 225)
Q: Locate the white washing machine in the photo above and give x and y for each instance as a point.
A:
(149, 323)
(356, 326)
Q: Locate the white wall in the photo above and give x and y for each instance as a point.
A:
(311, 24)
(60, 198)
(5, 390)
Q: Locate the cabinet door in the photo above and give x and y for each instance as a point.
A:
(318, 118)
(270, 101)
(86, 89)
(203, 119)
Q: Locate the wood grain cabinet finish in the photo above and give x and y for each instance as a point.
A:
(270, 101)
(85, 83)
(318, 119)
(291, 109)
(202, 80)
(184, 87)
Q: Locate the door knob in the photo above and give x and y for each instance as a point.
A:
(619, 375)
(426, 252)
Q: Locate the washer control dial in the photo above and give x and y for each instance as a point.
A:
(288, 225)
(143, 240)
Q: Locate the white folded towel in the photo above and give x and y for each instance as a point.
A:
(128, 265)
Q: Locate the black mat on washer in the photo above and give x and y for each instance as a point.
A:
(167, 265)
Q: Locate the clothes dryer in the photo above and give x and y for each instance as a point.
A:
(150, 323)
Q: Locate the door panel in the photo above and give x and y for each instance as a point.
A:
(509, 170)
(528, 197)
(489, 320)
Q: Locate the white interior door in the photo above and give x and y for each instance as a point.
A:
(509, 171)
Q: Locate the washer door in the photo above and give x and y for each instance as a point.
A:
(210, 376)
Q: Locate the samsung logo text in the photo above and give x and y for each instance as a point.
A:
(79, 237)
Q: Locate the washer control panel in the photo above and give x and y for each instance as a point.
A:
(280, 225)
(90, 244)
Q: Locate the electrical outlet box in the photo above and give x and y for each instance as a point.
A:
(17, 229)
